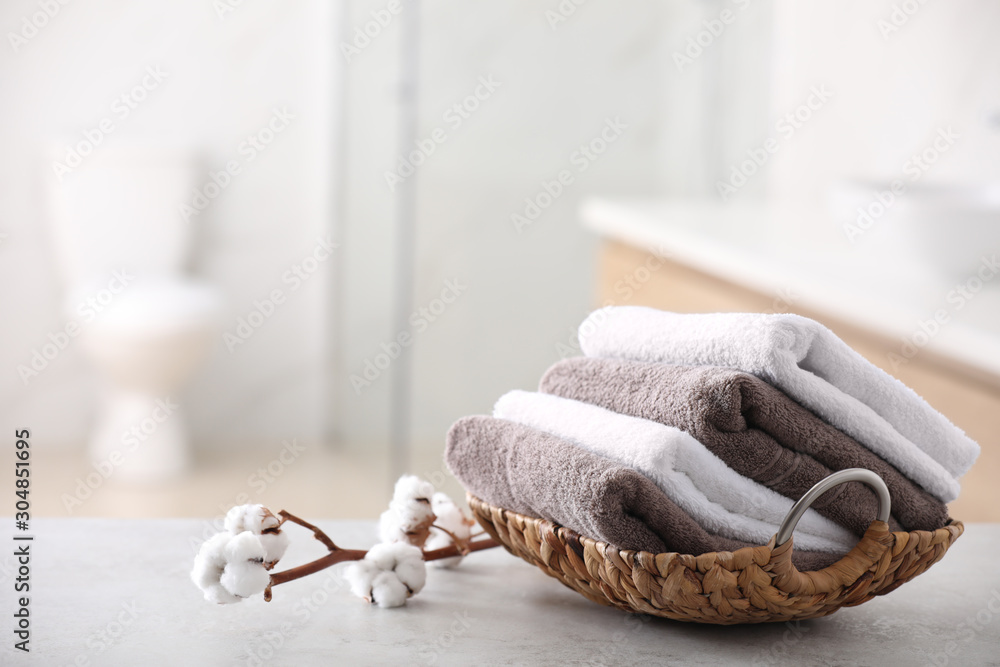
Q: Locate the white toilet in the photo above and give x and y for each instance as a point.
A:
(123, 244)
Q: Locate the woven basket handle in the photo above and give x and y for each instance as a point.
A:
(849, 578)
(836, 479)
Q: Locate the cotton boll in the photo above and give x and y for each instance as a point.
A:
(440, 540)
(406, 552)
(413, 573)
(209, 565)
(210, 561)
(220, 595)
(255, 518)
(407, 522)
(205, 572)
(244, 574)
(414, 522)
(275, 545)
(410, 514)
(388, 574)
(398, 524)
(245, 546)
(387, 556)
(388, 590)
(230, 567)
(405, 560)
(450, 517)
(383, 556)
(359, 576)
(390, 527)
(245, 578)
(243, 517)
(211, 556)
(411, 487)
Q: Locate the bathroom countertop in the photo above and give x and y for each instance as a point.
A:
(877, 281)
(116, 592)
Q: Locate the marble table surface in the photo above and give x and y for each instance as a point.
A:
(116, 592)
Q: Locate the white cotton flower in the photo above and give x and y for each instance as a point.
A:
(388, 590)
(388, 574)
(257, 519)
(359, 575)
(254, 518)
(409, 487)
(390, 527)
(410, 514)
(450, 517)
(245, 575)
(405, 560)
(275, 544)
(209, 565)
(412, 570)
(244, 546)
(230, 567)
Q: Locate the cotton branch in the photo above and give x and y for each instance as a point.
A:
(339, 555)
(317, 533)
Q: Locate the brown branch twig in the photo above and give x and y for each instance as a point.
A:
(338, 555)
(317, 533)
(453, 550)
(458, 541)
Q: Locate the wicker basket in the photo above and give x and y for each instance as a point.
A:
(750, 585)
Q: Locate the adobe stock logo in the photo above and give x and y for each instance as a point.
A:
(958, 298)
(363, 35)
(249, 149)
(454, 116)
(712, 29)
(121, 108)
(264, 308)
(38, 20)
(562, 12)
(914, 168)
(420, 320)
(131, 440)
(89, 309)
(899, 17)
(582, 158)
(758, 157)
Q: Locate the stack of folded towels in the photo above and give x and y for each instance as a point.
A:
(697, 433)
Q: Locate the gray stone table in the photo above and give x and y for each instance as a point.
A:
(116, 592)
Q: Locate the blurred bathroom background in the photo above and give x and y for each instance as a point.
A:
(269, 252)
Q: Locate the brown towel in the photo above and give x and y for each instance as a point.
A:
(533, 473)
(756, 429)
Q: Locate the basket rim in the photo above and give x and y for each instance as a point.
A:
(871, 548)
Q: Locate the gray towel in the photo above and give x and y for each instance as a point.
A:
(755, 428)
(537, 474)
(811, 365)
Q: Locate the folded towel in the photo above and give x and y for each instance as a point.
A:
(754, 428)
(721, 500)
(809, 363)
(537, 474)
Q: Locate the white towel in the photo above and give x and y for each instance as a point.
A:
(721, 500)
(809, 363)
